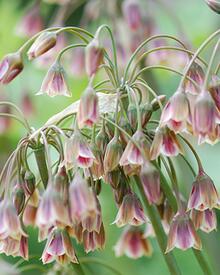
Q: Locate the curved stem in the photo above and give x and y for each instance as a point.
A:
(205, 84)
(142, 45)
(15, 118)
(72, 46)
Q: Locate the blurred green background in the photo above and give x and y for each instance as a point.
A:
(198, 22)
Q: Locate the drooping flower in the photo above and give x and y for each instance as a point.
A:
(31, 23)
(45, 41)
(77, 152)
(59, 247)
(88, 112)
(182, 234)
(214, 5)
(52, 210)
(150, 179)
(165, 142)
(10, 66)
(133, 244)
(113, 154)
(93, 56)
(10, 225)
(132, 154)
(84, 207)
(214, 89)
(205, 220)
(203, 194)
(205, 116)
(94, 240)
(130, 212)
(55, 82)
(132, 13)
(176, 112)
(196, 74)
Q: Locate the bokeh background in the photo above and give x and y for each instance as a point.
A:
(197, 22)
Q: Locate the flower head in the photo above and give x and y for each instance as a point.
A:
(182, 234)
(165, 142)
(10, 66)
(59, 248)
(88, 112)
(55, 82)
(130, 212)
(44, 42)
(203, 194)
(133, 244)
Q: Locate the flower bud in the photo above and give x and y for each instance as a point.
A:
(146, 112)
(130, 212)
(203, 194)
(10, 66)
(101, 141)
(133, 244)
(150, 179)
(132, 13)
(113, 178)
(88, 112)
(29, 216)
(61, 183)
(182, 234)
(205, 220)
(132, 115)
(93, 56)
(214, 5)
(19, 199)
(44, 42)
(113, 154)
(29, 182)
(165, 142)
(55, 82)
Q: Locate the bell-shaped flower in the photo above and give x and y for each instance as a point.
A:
(113, 154)
(10, 66)
(77, 152)
(55, 82)
(182, 234)
(94, 240)
(88, 112)
(150, 178)
(59, 247)
(176, 112)
(133, 154)
(205, 115)
(10, 225)
(214, 89)
(132, 14)
(93, 56)
(203, 194)
(133, 244)
(52, 209)
(130, 211)
(205, 220)
(196, 74)
(166, 143)
(44, 42)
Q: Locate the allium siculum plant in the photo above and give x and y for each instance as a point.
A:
(109, 137)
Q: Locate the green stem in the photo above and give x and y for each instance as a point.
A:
(72, 46)
(40, 157)
(202, 262)
(77, 268)
(159, 231)
(205, 85)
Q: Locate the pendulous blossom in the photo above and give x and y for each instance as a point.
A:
(214, 5)
(55, 82)
(10, 66)
(166, 143)
(175, 113)
(130, 211)
(203, 194)
(113, 154)
(196, 74)
(77, 152)
(88, 112)
(59, 247)
(132, 13)
(182, 234)
(44, 42)
(133, 244)
(205, 220)
(94, 240)
(150, 178)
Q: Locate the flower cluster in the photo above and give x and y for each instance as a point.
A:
(112, 138)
